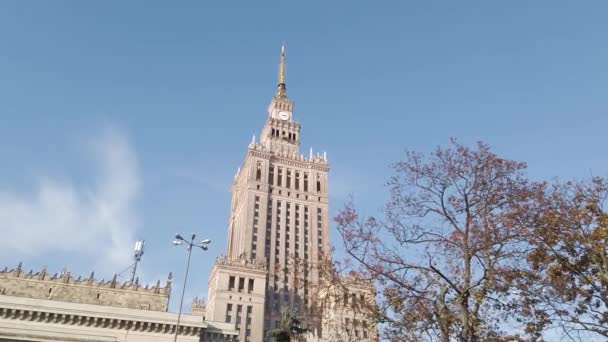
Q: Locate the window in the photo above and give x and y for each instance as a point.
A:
(318, 184)
(271, 175)
(280, 177)
(297, 185)
(241, 284)
(305, 181)
(231, 283)
(258, 172)
(250, 287)
(228, 313)
(288, 181)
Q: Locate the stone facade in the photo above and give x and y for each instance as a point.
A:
(279, 218)
(198, 307)
(236, 296)
(42, 307)
(27, 319)
(65, 287)
(347, 306)
(279, 213)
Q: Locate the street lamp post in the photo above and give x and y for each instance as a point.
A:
(179, 240)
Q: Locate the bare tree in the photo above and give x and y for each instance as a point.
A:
(451, 236)
(567, 285)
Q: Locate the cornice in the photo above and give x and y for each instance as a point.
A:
(49, 315)
(305, 164)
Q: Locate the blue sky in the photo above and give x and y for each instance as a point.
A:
(124, 120)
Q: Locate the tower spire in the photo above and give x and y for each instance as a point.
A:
(281, 88)
(282, 68)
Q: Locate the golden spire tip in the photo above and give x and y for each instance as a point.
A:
(282, 67)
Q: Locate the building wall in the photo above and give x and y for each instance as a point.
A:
(66, 288)
(49, 320)
(279, 217)
(237, 289)
(279, 214)
(347, 307)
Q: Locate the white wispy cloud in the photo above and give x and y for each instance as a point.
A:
(97, 222)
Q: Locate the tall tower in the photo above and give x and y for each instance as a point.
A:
(279, 211)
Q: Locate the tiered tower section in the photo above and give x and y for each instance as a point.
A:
(279, 211)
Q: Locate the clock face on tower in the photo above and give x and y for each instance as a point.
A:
(284, 115)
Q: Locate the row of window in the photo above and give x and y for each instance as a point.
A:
(292, 225)
(288, 176)
(353, 300)
(355, 327)
(241, 284)
(238, 317)
(287, 231)
(285, 134)
(254, 242)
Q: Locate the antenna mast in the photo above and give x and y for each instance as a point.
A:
(138, 252)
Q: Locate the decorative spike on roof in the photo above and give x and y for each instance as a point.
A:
(66, 278)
